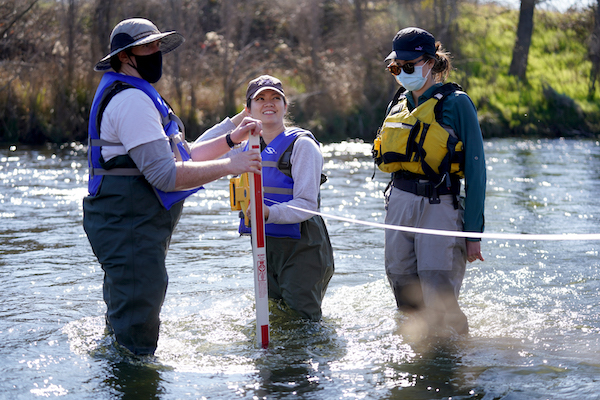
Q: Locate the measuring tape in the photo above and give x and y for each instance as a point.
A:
(476, 235)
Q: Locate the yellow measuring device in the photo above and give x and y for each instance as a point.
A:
(239, 195)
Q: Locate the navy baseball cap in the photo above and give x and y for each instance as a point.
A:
(411, 43)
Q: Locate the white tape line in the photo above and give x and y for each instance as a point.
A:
(506, 236)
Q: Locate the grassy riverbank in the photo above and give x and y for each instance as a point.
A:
(339, 91)
(554, 100)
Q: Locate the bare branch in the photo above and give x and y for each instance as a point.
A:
(18, 17)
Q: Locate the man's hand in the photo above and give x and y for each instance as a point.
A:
(246, 161)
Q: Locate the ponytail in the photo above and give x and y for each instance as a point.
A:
(443, 64)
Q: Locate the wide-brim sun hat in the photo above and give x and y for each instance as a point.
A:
(134, 32)
(411, 43)
(262, 83)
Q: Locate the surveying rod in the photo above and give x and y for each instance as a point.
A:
(259, 255)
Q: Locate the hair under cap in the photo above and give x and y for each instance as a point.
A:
(410, 43)
(134, 32)
(262, 83)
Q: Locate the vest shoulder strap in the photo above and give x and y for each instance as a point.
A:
(400, 94)
(441, 94)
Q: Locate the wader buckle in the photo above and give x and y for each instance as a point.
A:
(434, 198)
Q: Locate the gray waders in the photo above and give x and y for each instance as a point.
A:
(130, 233)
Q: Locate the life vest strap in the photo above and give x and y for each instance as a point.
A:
(277, 190)
(271, 164)
(173, 117)
(118, 171)
(102, 142)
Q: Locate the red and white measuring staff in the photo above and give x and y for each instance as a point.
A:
(257, 222)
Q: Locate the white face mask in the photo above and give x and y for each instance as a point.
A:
(414, 81)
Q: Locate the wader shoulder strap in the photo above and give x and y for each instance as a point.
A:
(111, 91)
(285, 161)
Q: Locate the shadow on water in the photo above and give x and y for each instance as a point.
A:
(128, 380)
(434, 374)
(434, 370)
(122, 375)
(296, 364)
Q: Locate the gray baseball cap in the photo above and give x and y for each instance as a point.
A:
(262, 83)
(134, 32)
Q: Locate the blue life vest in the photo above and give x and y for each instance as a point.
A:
(278, 186)
(172, 126)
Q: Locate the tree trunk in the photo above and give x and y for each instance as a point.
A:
(176, 6)
(518, 66)
(227, 16)
(445, 13)
(101, 28)
(71, 22)
(594, 49)
(315, 12)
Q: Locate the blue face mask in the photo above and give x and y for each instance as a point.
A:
(414, 81)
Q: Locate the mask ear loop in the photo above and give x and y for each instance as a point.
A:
(129, 53)
(428, 72)
(430, 69)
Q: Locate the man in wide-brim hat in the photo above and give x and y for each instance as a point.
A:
(141, 171)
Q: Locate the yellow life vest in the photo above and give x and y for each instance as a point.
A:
(417, 142)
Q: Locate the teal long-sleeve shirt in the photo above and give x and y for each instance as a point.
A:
(460, 114)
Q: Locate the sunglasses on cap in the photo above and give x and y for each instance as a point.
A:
(408, 68)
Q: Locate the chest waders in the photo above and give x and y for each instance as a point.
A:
(129, 228)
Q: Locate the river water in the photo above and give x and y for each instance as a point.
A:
(533, 306)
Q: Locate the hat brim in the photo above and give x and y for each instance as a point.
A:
(262, 89)
(168, 41)
(404, 55)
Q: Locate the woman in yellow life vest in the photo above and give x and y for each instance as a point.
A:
(430, 140)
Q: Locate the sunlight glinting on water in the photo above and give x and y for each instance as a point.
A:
(533, 307)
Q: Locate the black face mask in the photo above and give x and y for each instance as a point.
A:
(149, 67)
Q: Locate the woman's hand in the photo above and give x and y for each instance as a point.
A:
(245, 128)
(249, 212)
(474, 251)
